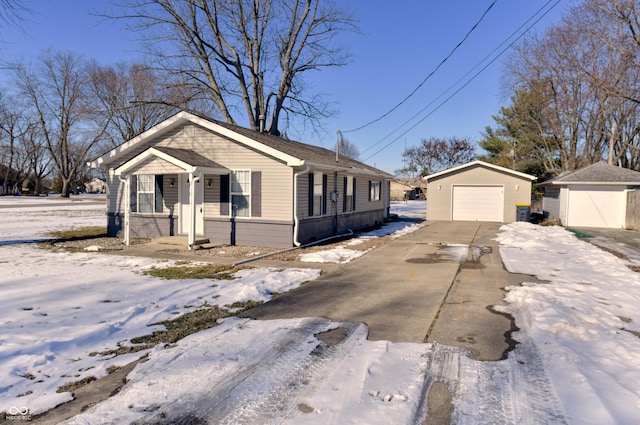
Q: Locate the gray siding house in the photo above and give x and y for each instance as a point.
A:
(206, 179)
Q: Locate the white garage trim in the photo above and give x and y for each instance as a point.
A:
(477, 203)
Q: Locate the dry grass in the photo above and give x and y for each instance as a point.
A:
(206, 271)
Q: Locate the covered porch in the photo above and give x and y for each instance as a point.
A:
(143, 179)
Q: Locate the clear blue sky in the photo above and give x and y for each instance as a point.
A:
(401, 42)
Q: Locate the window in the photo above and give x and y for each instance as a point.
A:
(241, 193)
(349, 200)
(374, 191)
(318, 183)
(317, 194)
(147, 195)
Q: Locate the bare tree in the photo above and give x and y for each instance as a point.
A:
(584, 76)
(246, 55)
(56, 89)
(348, 149)
(13, 155)
(131, 98)
(434, 154)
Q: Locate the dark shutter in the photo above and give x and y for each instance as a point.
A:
(353, 205)
(133, 189)
(325, 184)
(256, 193)
(158, 196)
(344, 193)
(370, 184)
(310, 194)
(224, 194)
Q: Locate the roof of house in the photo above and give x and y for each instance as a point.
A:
(476, 163)
(599, 173)
(291, 152)
(189, 157)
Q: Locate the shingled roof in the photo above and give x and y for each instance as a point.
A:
(599, 173)
(268, 144)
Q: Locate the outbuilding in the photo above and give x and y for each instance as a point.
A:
(592, 196)
(477, 191)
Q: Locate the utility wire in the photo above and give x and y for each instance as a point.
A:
(428, 76)
(515, 32)
(461, 87)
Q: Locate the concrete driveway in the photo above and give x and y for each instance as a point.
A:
(437, 284)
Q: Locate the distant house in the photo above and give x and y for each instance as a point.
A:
(593, 196)
(408, 189)
(207, 179)
(477, 191)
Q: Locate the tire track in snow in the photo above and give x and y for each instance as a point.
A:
(269, 389)
(512, 391)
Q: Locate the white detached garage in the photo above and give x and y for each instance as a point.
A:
(593, 196)
(477, 191)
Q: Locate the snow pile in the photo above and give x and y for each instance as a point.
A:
(585, 321)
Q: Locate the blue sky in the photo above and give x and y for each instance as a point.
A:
(400, 43)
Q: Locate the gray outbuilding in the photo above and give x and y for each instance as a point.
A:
(477, 191)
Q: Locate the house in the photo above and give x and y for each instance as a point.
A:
(206, 179)
(477, 191)
(592, 196)
(403, 189)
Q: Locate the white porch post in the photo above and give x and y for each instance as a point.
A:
(127, 210)
(193, 179)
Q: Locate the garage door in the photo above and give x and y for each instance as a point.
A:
(478, 203)
(596, 207)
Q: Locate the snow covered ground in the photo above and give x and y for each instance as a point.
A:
(577, 360)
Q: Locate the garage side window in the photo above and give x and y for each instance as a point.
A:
(147, 197)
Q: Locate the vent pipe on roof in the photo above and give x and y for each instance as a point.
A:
(338, 143)
(261, 118)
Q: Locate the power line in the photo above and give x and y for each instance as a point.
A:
(466, 83)
(428, 76)
(516, 31)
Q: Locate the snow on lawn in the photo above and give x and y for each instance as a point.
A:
(407, 211)
(576, 362)
(59, 308)
(585, 321)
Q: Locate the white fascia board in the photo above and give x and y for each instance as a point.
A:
(133, 162)
(154, 131)
(480, 163)
(347, 168)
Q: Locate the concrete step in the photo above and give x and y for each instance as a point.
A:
(178, 240)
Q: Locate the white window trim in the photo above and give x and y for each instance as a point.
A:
(246, 191)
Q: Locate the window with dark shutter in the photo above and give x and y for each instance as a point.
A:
(158, 195)
(325, 184)
(310, 194)
(256, 193)
(133, 191)
(224, 194)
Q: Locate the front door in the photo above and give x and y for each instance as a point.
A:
(185, 205)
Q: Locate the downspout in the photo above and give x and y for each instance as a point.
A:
(296, 219)
(127, 208)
